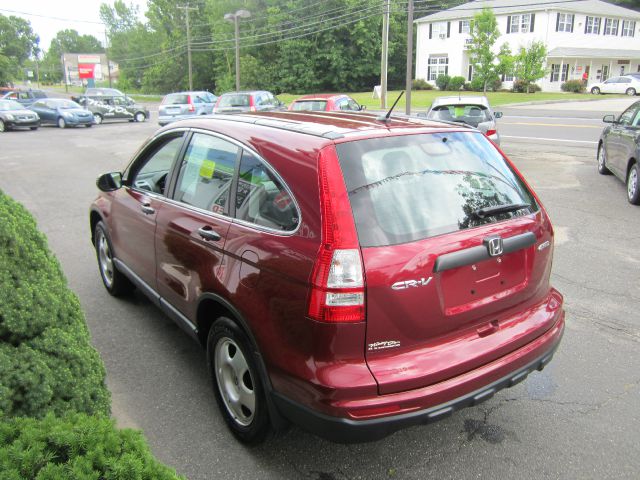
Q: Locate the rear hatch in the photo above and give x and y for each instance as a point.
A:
(176, 104)
(456, 254)
(233, 103)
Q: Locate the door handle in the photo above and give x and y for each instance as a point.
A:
(207, 233)
(147, 209)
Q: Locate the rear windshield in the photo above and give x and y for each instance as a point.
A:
(176, 99)
(412, 187)
(234, 101)
(316, 105)
(469, 114)
(39, 94)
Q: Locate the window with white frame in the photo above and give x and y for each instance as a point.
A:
(507, 77)
(558, 73)
(592, 25)
(519, 23)
(565, 22)
(465, 26)
(439, 29)
(611, 26)
(438, 65)
(628, 28)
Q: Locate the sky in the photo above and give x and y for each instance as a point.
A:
(80, 15)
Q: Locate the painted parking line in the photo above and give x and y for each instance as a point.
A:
(541, 124)
(550, 139)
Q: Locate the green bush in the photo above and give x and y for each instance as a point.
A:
(421, 84)
(456, 83)
(75, 446)
(476, 85)
(442, 82)
(575, 86)
(47, 363)
(520, 86)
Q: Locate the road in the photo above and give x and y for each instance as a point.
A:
(579, 418)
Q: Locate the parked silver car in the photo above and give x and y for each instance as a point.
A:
(470, 110)
(185, 104)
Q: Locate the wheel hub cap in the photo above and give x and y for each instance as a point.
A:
(235, 382)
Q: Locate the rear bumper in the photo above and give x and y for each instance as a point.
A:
(517, 365)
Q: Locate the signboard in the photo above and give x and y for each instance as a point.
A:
(88, 59)
(85, 70)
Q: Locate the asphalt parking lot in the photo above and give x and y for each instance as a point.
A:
(579, 418)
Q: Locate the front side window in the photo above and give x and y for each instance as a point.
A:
(628, 28)
(261, 198)
(438, 65)
(592, 25)
(407, 188)
(611, 26)
(206, 173)
(628, 115)
(150, 171)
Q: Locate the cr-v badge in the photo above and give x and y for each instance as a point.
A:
(411, 283)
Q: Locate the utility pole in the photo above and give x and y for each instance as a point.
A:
(235, 18)
(385, 56)
(409, 58)
(106, 54)
(187, 8)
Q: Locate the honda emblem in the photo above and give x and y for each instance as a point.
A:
(494, 245)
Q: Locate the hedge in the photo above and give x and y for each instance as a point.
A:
(47, 363)
(75, 446)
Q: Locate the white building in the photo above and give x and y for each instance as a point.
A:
(581, 36)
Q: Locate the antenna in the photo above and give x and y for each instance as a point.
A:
(385, 118)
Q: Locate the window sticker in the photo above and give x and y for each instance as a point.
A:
(207, 169)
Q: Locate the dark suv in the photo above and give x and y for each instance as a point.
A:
(349, 274)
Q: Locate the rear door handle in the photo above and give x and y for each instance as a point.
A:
(207, 233)
(147, 209)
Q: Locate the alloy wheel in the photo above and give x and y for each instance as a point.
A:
(105, 259)
(632, 183)
(235, 382)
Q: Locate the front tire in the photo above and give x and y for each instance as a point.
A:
(633, 189)
(114, 281)
(140, 117)
(237, 386)
(595, 91)
(89, 125)
(631, 92)
(3, 128)
(62, 123)
(602, 161)
(33, 128)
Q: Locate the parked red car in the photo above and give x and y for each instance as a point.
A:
(325, 102)
(353, 275)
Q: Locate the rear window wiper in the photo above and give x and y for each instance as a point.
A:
(491, 211)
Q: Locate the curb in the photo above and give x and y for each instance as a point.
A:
(546, 102)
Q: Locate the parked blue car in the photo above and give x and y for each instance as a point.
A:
(61, 112)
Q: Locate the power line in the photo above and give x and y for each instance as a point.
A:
(50, 17)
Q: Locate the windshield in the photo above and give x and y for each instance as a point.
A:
(10, 105)
(64, 104)
(237, 100)
(411, 187)
(316, 105)
(469, 114)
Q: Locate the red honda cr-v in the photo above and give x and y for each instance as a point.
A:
(350, 274)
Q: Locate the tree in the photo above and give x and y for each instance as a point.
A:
(484, 33)
(530, 63)
(67, 41)
(17, 44)
(506, 60)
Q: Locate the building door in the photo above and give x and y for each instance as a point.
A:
(605, 72)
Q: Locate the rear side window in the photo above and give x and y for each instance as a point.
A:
(176, 99)
(412, 187)
(261, 198)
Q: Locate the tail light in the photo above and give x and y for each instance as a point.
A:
(215, 108)
(192, 108)
(491, 132)
(337, 283)
(252, 105)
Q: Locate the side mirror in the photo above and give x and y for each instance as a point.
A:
(609, 119)
(109, 182)
(363, 108)
(497, 114)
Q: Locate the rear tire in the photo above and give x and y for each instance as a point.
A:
(633, 189)
(97, 118)
(602, 161)
(3, 128)
(236, 383)
(33, 128)
(595, 91)
(61, 123)
(140, 117)
(114, 281)
(631, 92)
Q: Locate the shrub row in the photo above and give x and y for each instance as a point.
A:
(75, 446)
(575, 86)
(54, 404)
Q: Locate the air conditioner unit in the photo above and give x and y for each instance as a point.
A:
(442, 36)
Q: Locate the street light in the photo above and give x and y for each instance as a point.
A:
(233, 17)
